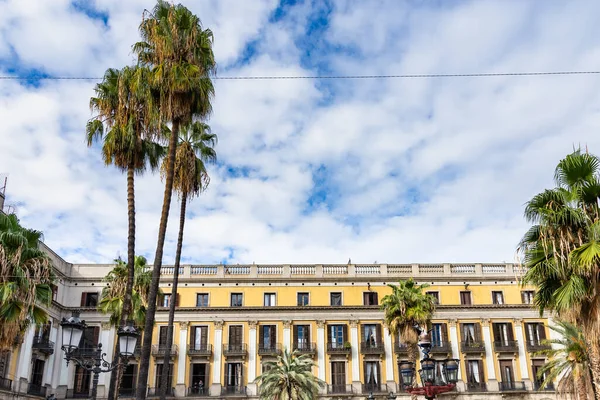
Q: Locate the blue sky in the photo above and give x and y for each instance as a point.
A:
(312, 171)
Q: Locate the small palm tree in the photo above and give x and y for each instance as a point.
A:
(406, 307)
(26, 279)
(195, 147)
(568, 362)
(289, 378)
(178, 51)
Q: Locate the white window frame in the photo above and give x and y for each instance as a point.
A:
(501, 294)
(274, 294)
(303, 292)
(208, 301)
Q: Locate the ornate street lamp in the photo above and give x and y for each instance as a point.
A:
(94, 361)
(429, 367)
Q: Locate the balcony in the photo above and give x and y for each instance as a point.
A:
(159, 350)
(536, 345)
(476, 387)
(72, 394)
(306, 348)
(373, 388)
(269, 349)
(233, 391)
(538, 387)
(155, 392)
(401, 349)
(233, 350)
(506, 346)
(36, 390)
(197, 392)
(472, 346)
(339, 389)
(43, 345)
(200, 350)
(512, 386)
(335, 348)
(5, 384)
(127, 392)
(440, 347)
(370, 347)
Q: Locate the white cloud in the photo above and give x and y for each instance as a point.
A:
(410, 170)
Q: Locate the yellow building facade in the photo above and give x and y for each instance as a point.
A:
(231, 320)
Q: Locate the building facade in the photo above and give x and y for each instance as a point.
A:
(230, 320)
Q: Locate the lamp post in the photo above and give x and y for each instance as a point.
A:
(94, 361)
(432, 383)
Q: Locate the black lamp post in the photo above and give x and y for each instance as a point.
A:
(429, 367)
(94, 361)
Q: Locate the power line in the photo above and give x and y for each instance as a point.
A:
(291, 77)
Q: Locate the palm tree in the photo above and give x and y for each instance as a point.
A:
(562, 249)
(178, 52)
(195, 147)
(26, 279)
(406, 307)
(289, 378)
(125, 121)
(568, 362)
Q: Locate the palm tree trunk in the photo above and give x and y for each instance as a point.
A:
(594, 357)
(164, 378)
(413, 353)
(127, 306)
(581, 388)
(152, 294)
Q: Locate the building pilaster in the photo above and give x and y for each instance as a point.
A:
(356, 383)
(252, 356)
(49, 367)
(460, 385)
(522, 353)
(24, 368)
(389, 359)
(182, 359)
(107, 336)
(287, 335)
(492, 383)
(321, 349)
(215, 387)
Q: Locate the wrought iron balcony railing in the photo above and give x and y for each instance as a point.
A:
(307, 348)
(472, 346)
(476, 387)
(127, 392)
(155, 392)
(512, 386)
(5, 384)
(536, 345)
(374, 388)
(236, 390)
(400, 348)
(200, 349)
(506, 346)
(269, 349)
(161, 349)
(235, 349)
(339, 389)
(336, 348)
(196, 391)
(43, 344)
(440, 347)
(368, 347)
(36, 390)
(538, 386)
(72, 394)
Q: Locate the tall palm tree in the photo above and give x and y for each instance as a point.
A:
(178, 52)
(195, 147)
(26, 279)
(406, 307)
(289, 378)
(562, 249)
(567, 361)
(125, 122)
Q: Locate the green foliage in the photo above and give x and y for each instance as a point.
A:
(26, 277)
(290, 378)
(112, 298)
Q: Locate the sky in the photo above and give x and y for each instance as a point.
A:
(311, 170)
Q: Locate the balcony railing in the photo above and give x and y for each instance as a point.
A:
(160, 350)
(155, 392)
(200, 349)
(335, 348)
(440, 347)
(505, 346)
(472, 346)
(235, 349)
(233, 390)
(43, 344)
(197, 391)
(36, 390)
(5, 384)
(306, 348)
(538, 386)
(127, 392)
(339, 389)
(536, 345)
(269, 349)
(476, 387)
(512, 386)
(400, 348)
(373, 388)
(72, 394)
(369, 347)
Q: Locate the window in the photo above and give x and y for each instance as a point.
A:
(166, 300)
(89, 299)
(436, 297)
(371, 335)
(336, 298)
(302, 337)
(162, 336)
(336, 336)
(370, 299)
(527, 296)
(439, 335)
(372, 375)
(235, 335)
(535, 333)
(236, 299)
(475, 374)
(471, 332)
(503, 333)
(37, 372)
(81, 383)
(202, 300)
(199, 378)
(267, 337)
(159, 372)
(199, 338)
(129, 380)
(507, 374)
(497, 297)
(303, 299)
(234, 377)
(54, 292)
(536, 366)
(338, 377)
(269, 299)
(465, 298)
